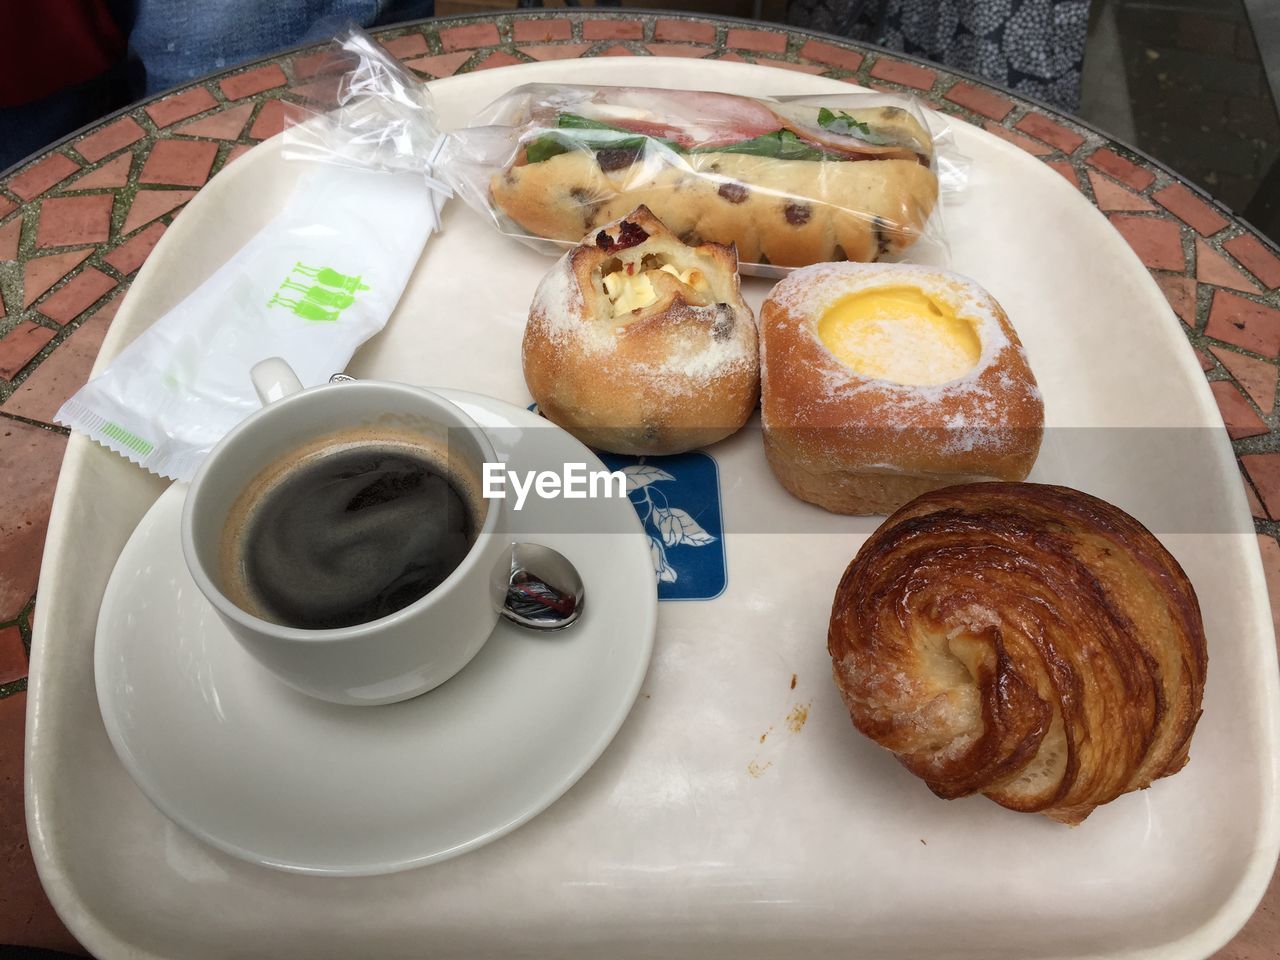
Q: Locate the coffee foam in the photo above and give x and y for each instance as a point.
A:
(232, 576)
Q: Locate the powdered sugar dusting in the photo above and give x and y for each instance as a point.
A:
(807, 294)
(557, 303)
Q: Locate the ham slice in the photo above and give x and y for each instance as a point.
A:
(689, 118)
(707, 120)
(802, 120)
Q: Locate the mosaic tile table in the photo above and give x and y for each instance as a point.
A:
(77, 221)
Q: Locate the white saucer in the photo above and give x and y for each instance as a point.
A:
(280, 779)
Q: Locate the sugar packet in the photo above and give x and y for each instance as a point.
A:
(311, 286)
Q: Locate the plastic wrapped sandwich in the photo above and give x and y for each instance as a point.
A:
(790, 182)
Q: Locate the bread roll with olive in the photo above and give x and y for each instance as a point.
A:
(639, 344)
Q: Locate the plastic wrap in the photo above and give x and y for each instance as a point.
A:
(790, 181)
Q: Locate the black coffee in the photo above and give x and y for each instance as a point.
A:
(347, 534)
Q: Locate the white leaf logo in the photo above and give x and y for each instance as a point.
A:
(641, 475)
(664, 570)
(678, 527)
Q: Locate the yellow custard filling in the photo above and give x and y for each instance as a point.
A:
(900, 334)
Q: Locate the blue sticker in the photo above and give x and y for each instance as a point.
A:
(678, 500)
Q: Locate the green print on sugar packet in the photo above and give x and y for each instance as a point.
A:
(320, 295)
(324, 296)
(305, 309)
(330, 277)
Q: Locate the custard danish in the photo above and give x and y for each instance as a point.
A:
(1024, 641)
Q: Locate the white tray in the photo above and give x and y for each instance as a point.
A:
(691, 837)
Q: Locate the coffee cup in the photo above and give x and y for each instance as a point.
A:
(370, 610)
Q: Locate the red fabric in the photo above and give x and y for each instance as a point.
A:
(50, 45)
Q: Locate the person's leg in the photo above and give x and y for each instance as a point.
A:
(176, 41)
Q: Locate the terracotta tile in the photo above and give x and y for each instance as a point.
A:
(179, 106)
(556, 51)
(1246, 324)
(1110, 195)
(253, 81)
(1158, 243)
(670, 50)
(223, 125)
(1051, 132)
(149, 204)
(1256, 377)
(1256, 509)
(7, 206)
(618, 50)
(13, 655)
(130, 255)
(907, 74)
(813, 69)
(541, 31)
(65, 370)
(1257, 257)
(1212, 267)
(1264, 470)
(1206, 361)
(323, 91)
(1178, 199)
(410, 45)
(840, 57)
(980, 100)
(41, 273)
(80, 293)
(236, 152)
(1114, 165)
(112, 137)
(42, 175)
(1033, 147)
(274, 116)
(684, 31)
(469, 37)
(73, 221)
(21, 344)
(445, 65)
(325, 61)
(184, 163)
(1066, 170)
(9, 236)
(1270, 551)
(1239, 418)
(499, 58)
(762, 41)
(1180, 291)
(29, 462)
(112, 174)
(612, 30)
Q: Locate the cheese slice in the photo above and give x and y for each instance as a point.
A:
(635, 292)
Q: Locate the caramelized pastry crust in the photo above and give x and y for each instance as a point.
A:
(1024, 641)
